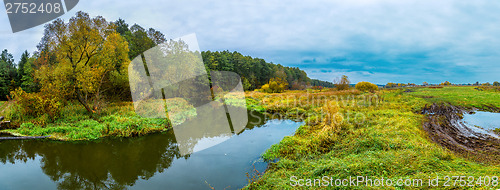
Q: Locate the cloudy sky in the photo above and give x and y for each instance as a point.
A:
(369, 40)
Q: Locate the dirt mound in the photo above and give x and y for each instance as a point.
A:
(444, 127)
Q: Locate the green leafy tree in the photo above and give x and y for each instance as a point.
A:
(121, 27)
(4, 81)
(496, 83)
(28, 83)
(20, 70)
(156, 36)
(246, 84)
(139, 39)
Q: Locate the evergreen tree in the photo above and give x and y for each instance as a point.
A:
(8, 74)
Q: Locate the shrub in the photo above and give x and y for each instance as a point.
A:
(366, 86)
(275, 85)
(39, 105)
(317, 87)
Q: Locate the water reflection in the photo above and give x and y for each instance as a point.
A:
(171, 78)
(152, 162)
(486, 120)
(111, 164)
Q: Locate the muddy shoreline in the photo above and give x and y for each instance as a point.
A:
(443, 125)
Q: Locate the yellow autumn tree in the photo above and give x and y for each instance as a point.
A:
(88, 53)
(366, 87)
(275, 85)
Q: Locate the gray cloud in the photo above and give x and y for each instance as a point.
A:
(379, 40)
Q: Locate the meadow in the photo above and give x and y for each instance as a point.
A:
(381, 139)
(471, 97)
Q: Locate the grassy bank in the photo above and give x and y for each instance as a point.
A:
(117, 120)
(362, 138)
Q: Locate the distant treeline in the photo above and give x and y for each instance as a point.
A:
(326, 84)
(445, 83)
(256, 72)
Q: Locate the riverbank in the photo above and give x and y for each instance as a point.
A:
(147, 162)
(379, 139)
(117, 120)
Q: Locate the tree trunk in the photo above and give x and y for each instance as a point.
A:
(83, 102)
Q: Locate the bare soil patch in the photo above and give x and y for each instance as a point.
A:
(444, 127)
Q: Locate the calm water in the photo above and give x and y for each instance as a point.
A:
(149, 162)
(486, 120)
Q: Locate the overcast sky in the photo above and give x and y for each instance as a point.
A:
(378, 41)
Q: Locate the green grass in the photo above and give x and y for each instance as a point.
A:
(460, 96)
(390, 143)
(117, 120)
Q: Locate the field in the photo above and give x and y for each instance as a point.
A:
(380, 139)
(462, 96)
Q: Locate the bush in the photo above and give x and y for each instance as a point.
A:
(317, 88)
(366, 86)
(275, 85)
(44, 107)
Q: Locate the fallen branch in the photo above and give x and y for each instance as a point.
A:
(23, 138)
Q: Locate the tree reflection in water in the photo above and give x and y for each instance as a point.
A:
(102, 164)
(106, 164)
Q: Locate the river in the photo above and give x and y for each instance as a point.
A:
(148, 162)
